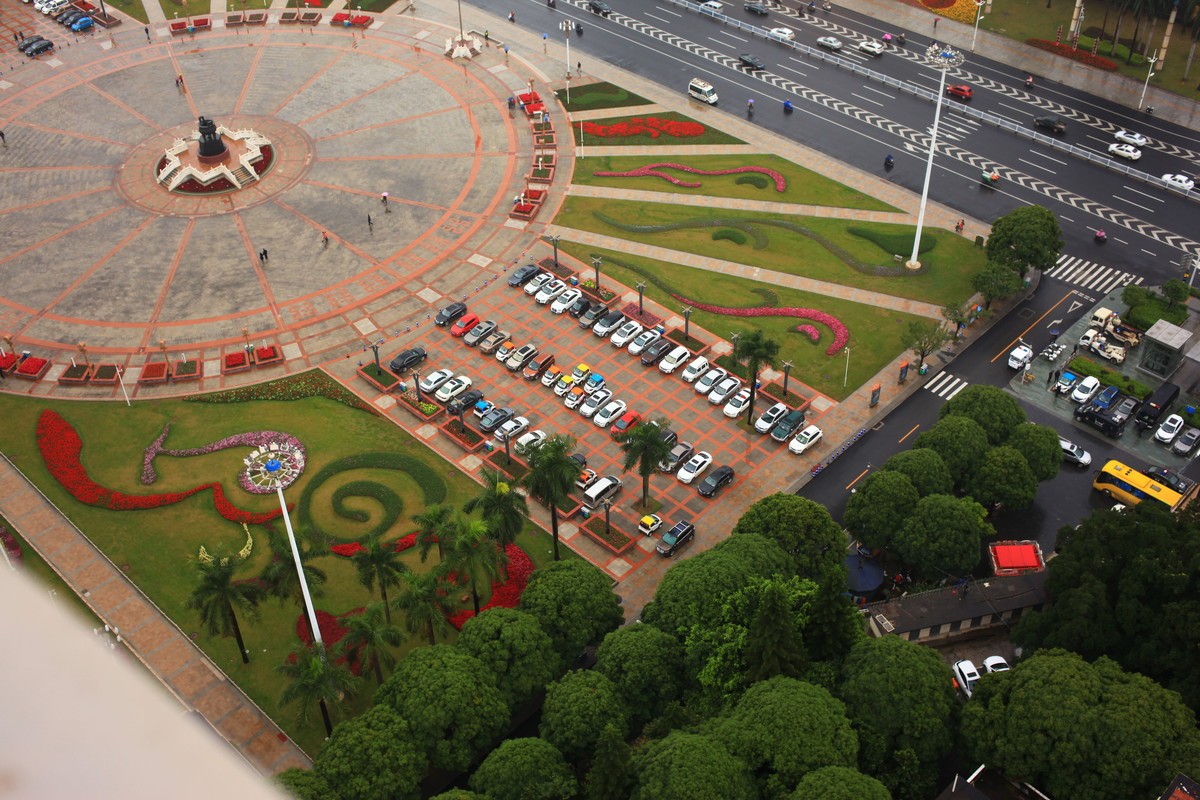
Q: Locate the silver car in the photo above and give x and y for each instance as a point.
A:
(595, 400)
(710, 379)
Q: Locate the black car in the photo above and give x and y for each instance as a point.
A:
(680, 534)
(1055, 125)
(719, 477)
(599, 7)
(522, 275)
(579, 307)
(756, 8)
(70, 16)
(580, 459)
(495, 418)
(655, 352)
(680, 453)
(464, 401)
(37, 48)
(408, 359)
(479, 332)
(449, 314)
(751, 61)
(787, 426)
(588, 318)
(28, 42)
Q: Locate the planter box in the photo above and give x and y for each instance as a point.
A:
(340, 18)
(592, 295)
(467, 441)
(697, 347)
(178, 28)
(155, 372)
(547, 140)
(187, 371)
(233, 363)
(774, 391)
(544, 175)
(543, 128)
(310, 18)
(256, 18)
(548, 265)
(8, 361)
(76, 374)
(361, 21)
(105, 375)
(289, 17)
(238, 18)
(536, 196)
(516, 470)
(408, 400)
(32, 369)
(265, 356)
(384, 381)
(525, 211)
(594, 528)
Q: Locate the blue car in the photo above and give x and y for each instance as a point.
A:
(81, 24)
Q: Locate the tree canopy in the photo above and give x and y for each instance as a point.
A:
(645, 665)
(574, 603)
(1027, 238)
(996, 281)
(943, 536)
(996, 411)
(372, 757)
(1039, 445)
(961, 443)
(924, 468)
(1004, 478)
(839, 783)
(688, 766)
(611, 775)
(525, 769)
(514, 647)
(802, 527)
(924, 337)
(880, 507)
(577, 708)
(1079, 730)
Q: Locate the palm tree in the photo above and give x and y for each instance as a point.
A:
(433, 521)
(379, 563)
(218, 598)
(315, 679)
(551, 475)
(504, 509)
(424, 603)
(645, 448)
(280, 578)
(759, 352)
(474, 553)
(369, 639)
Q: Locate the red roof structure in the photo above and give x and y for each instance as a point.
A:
(1015, 558)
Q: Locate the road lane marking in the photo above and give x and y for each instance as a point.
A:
(1006, 350)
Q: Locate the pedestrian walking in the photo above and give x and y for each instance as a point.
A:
(324, 239)
(935, 22)
(180, 81)
(16, 37)
(386, 208)
(370, 224)
(512, 17)
(3, 140)
(265, 255)
(261, 260)
(487, 39)
(578, 68)
(147, 30)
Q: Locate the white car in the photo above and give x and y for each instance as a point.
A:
(710, 379)
(737, 404)
(565, 384)
(1086, 389)
(530, 441)
(966, 676)
(644, 340)
(832, 42)
(626, 333)
(694, 467)
(769, 417)
(805, 439)
(1167, 432)
(550, 291)
(995, 664)
(453, 388)
(433, 380)
(595, 401)
(535, 285)
(782, 33)
(712, 5)
(565, 301)
(606, 415)
(1181, 182)
(1020, 356)
(672, 360)
(724, 389)
(514, 427)
(1126, 151)
(1129, 137)
(694, 370)
(871, 46)
(574, 399)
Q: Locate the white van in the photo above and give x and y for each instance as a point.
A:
(702, 91)
(673, 360)
(604, 489)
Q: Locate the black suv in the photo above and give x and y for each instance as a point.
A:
(1055, 125)
(655, 352)
(466, 400)
(719, 477)
(449, 314)
(522, 275)
(408, 359)
(599, 7)
(677, 537)
(756, 8)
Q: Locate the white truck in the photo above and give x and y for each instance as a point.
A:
(1098, 343)
(1110, 323)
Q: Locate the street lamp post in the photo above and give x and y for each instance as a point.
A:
(554, 241)
(641, 287)
(943, 59)
(417, 385)
(733, 337)
(787, 370)
(271, 462)
(687, 322)
(979, 4)
(846, 377)
(607, 512)
(1149, 74)
(596, 262)
(565, 26)
(121, 379)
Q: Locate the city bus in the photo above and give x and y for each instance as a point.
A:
(1127, 485)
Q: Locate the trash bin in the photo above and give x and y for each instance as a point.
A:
(574, 281)
(924, 368)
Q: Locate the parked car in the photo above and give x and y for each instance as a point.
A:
(643, 340)
(575, 397)
(768, 418)
(514, 427)
(495, 418)
(995, 664)
(680, 453)
(1020, 356)
(695, 369)
(608, 414)
(717, 480)
(724, 389)
(710, 379)
(521, 357)
(1074, 454)
(586, 478)
(522, 275)
(655, 352)
(737, 404)
(82, 24)
(535, 284)
(468, 399)
(549, 292)
(552, 375)
(648, 524)
(594, 383)
(805, 439)
(788, 424)
(608, 323)
(453, 387)
(538, 366)
(625, 423)
(626, 333)
(449, 314)
(694, 467)
(433, 381)
(28, 42)
(595, 401)
(581, 372)
(680, 534)
(565, 384)
(505, 350)
(966, 676)
(1185, 445)
(1170, 428)
(1124, 410)
(37, 48)
(480, 332)
(1086, 389)
(588, 318)
(530, 442)
(674, 360)
(1108, 395)
(565, 300)
(408, 359)
(579, 307)
(464, 325)
(68, 16)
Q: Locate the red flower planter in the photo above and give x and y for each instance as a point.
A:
(155, 372)
(267, 355)
(235, 362)
(32, 369)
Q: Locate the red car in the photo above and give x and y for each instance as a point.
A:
(960, 91)
(626, 423)
(464, 325)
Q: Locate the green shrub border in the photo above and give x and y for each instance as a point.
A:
(311, 383)
(757, 181)
(1085, 367)
(737, 237)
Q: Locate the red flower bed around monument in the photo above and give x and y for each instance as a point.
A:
(653, 127)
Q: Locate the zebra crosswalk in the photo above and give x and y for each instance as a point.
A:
(1091, 276)
(945, 385)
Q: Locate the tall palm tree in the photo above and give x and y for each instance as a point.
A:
(551, 475)
(759, 352)
(315, 679)
(424, 603)
(474, 553)
(370, 637)
(645, 448)
(280, 578)
(433, 521)
(379, 563)
(503, 508)
(218, 598)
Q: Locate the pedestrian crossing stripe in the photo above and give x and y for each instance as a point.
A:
(945, 385)
(1090, 275)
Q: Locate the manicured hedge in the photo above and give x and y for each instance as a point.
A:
(1086, 367)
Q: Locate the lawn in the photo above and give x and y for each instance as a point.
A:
(803, 186)
(160, 545)
(950, 259)
(874, 332)
(599, 96)
(687, 131)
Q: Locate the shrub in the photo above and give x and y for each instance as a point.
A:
(1144, 315)
(891, 242)
(313, 383)
(757, 181)
(737, 237)
(1084, 367)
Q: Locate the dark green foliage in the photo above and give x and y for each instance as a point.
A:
(774, 645)
(524, 769)
(961, 443)
(727, 234)
(996, 411)
(757, 181)
(304, 784)
(687, 766)
(1024, 239)
(893, 241)
(577, 708)
(460, 794)
(372, 757)
(833, 626)
(996, 282)
(880, 507)
(574, 603)
(803, 528)
(1084, 367)
(924, 337)
(1004, 479)
(943, 536)
(839, 783)
(611, 775)
(313, 383)
(675, 717)
(924, 468)
(1039, 446)
(646, 667)
(514, 647)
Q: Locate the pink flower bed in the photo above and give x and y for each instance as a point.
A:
(841, 334)
(253, 439)
(810, 332)
(653, 170)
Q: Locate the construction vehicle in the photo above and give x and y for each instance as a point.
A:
(1101, 347)
(1109, 322)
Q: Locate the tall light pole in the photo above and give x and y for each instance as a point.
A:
(641, 287)
(942, 58)
(687, 323)
(1149, 74)
(554, 241)
(596, 262)
(846, 378)
(979, 4)
(566, 27)
(787, 370)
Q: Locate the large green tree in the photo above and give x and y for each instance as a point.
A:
(503, 508)
(379, 563)
(577, 708)
(646, 667)
(924, 337)
(371, 757)
(474, 554)
(1039, 445)
(996, 411)
(960, 442)
(943, 536)
(315, 679)
(370, 639)
(425, 604)
(839, 783)
(611, 775)
(900, 697)
(1080, 730)
(996, 281)
(758, 350)
(645, 448)
(574, 603)
(1024, 239)
(304, 784)
(552, 473)
(1004, 479)
(880, 507)
(688, 766)
(525, 769)
(774, 643)
(450, 701)
(802, 527)
(514, 647)
(219, 598)
(924, 468)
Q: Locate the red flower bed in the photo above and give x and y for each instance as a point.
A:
(7, 360)
(61, 446)
(235, 360)
(265, 353)
(154, 371)
(31, 366)
(653, 127)
(1082, 56)
(332, 630)
(841, 334)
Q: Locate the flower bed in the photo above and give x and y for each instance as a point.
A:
(1082, 56)
(654, 127)
(190, 370)
(841, 334)
(525, 211)
(545, 140)
(646, 318)
(235, 362)
(463, 436)
(775, 392)
(76, 373)
(422, 408)
(32, 369)
(655, 170)
(295, 454)
(155, 372)
(106, 374)
(7, 361)
(381, 379)
(603, 295)
(613, 540)
(267, 355)
(540, 175)
(690, 342)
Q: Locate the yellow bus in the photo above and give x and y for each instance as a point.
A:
(1127, 485)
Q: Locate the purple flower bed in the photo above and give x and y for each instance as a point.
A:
(253, 439)
(652, 170)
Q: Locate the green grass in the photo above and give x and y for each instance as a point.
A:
(160, 545)
(710, 136)
(950, 262)
(874, 332)
(803, 185)
(598, 96)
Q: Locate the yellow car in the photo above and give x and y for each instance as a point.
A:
(581, 372)
(650, 523)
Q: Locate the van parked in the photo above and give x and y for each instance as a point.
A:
(1156, 405)
(702, 91)
(603, 489)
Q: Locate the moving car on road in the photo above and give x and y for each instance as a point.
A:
(1126, 151)
(830, 42)
(960, 91)
(871, 47)
(1129, 137)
